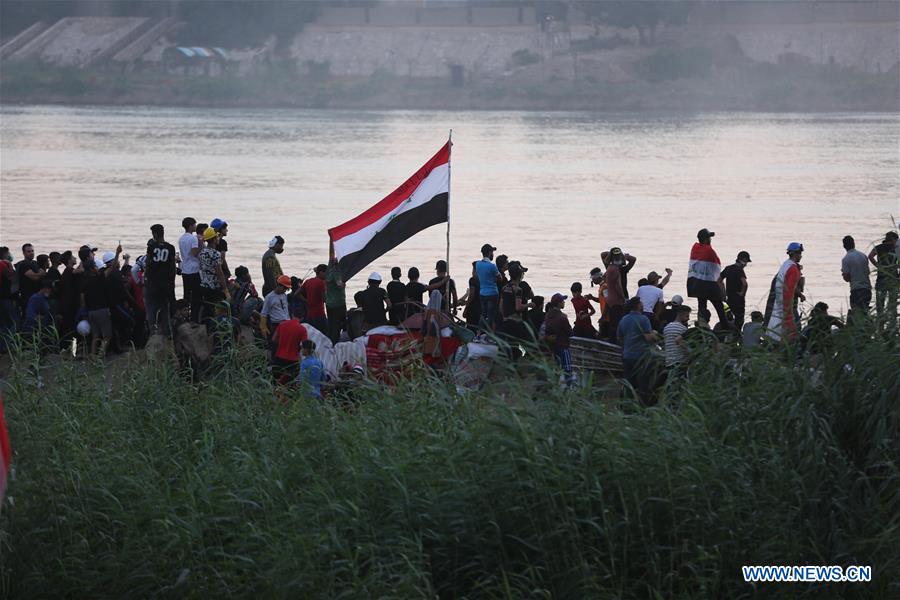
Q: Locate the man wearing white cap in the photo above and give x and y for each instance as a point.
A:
(373, 301)
(271, 268)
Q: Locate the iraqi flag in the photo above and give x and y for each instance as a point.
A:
(422, 201)
(703, 272)
(5, 452)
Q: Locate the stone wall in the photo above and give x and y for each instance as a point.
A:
(418, 52)
(871, 47)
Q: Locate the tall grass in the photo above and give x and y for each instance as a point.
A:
(137, 483)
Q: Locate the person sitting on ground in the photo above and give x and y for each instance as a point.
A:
(414, 291)
(372, 301)
(312, 371)
(638, 340)
(244, 298)
(817, 337)
(652, 298)
(223, 329)
(313, 292)
(675, 346)
(753, 332)
(38, 317)
(275, 310)
(670, 310)
(287, 339)
(396, 293)
(583, 311)
(557, 332)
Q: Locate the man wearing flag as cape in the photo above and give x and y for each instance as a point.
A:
(421, 201)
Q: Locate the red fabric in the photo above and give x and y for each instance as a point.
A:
(5, 452)
(393, 199)
(581, 305)
(289, 334)
(314, 289)
(6, 270)
(704, 252)
(138, 292)
(791, 279)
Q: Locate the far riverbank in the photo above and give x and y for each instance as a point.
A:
(770, 88)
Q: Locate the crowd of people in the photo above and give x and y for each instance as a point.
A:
(116, 303)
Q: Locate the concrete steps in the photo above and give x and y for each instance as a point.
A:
(34, 46)
(22, 38)
(120, 44)
(139, 46)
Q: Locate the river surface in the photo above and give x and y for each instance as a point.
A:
(550, 189)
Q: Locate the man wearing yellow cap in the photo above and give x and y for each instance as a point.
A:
(213, 287)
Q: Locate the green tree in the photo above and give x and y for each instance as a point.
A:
(643, 16)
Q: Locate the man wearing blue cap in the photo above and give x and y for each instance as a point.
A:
(221, 227)
(779, 318)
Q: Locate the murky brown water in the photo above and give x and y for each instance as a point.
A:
(551, 189)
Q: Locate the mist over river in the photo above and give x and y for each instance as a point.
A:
(551, 189)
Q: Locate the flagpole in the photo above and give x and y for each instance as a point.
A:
(449, 179)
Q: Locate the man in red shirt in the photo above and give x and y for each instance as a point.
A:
(287, 339)
(615, 293)
(313, 293)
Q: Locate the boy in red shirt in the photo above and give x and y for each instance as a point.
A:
(287, 339)
(313, 292)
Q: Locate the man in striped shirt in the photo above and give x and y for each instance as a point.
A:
(673, 337)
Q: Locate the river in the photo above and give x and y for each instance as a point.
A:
(552, 189)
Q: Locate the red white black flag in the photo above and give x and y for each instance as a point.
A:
(422, 201)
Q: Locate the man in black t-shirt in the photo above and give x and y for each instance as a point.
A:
(441, 283)
(736, 287)
(414, 292)
(372, 302)
(159, 281)
(29, 276)
(396, 293)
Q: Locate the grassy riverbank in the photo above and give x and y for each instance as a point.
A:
(748, 88)
(133, 482)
